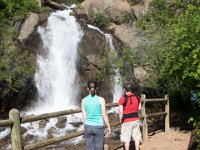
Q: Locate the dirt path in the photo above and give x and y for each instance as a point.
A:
(173, 140)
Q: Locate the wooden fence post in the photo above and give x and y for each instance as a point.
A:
(167, 120)
(16, 139)
(144, 122)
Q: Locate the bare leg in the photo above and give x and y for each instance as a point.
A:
(137, 145)
(127, 144)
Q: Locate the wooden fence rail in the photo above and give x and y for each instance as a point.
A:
(166, 113)
(15, 122)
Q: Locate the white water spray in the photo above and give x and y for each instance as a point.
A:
(55, 77)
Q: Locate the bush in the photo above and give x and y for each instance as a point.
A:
(125, 18)
(100, 20)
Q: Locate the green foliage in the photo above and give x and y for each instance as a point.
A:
(107, 65)
(12, 10)
(100, 20)
(127, 62)
(15, 65)
(125, 18)
(132, 59)
(173, 32)
(197, 139)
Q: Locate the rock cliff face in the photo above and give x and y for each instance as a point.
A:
(93, 45)
(116, 10)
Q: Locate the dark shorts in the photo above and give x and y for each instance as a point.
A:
(94, 137)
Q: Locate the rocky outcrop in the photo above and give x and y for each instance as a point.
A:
(113, 9)
(28, 26)
(116, 11)
(122, 29)
(29, 37)
(93, 46)
(92, 50)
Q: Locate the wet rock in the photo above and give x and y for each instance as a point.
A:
(23, 130)
(61, 122)
(71, 131)
(42, 124)
(29, 37)
(76, 124)
(50, 131)
(49, 136)
(29, 138)
(2, 129)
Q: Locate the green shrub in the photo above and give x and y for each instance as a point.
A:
(16, 64)
(99, 19)
(125, 18)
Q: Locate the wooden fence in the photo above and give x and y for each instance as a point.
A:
(15, 122)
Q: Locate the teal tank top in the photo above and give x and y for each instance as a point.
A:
(93, 111)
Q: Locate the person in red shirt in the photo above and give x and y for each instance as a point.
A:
(129, 105)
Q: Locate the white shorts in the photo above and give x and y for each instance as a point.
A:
(130, 129)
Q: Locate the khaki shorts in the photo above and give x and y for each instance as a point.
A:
(130, 129)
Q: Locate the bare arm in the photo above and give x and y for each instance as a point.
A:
(104, 113)
(83, 111)
(120, 112)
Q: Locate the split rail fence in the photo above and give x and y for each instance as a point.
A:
(15, 122)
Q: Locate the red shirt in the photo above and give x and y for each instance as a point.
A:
(129, 108)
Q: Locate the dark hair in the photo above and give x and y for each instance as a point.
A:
(128, 86)
(92, 82)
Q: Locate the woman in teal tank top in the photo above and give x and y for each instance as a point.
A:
(94, 115)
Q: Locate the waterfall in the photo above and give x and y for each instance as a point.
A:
(56, 73)
(117, 87)
(55, 76)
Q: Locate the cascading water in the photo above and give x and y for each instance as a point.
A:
(117, 88)
(55, 77)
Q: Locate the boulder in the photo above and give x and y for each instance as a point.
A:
(28, 26)
(110, 8)
(23, 130)
(50, 131)
(61, 122)
(116, 10)
(29, 138)
(29, 37)
(42, 124)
